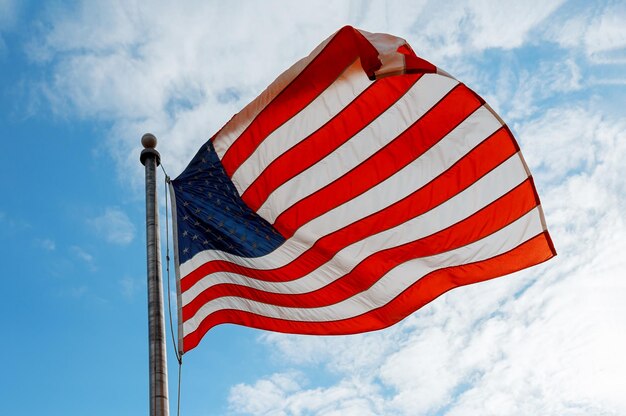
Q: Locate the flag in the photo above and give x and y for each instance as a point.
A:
(363, 183)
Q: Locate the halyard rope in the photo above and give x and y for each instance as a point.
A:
(179, 357)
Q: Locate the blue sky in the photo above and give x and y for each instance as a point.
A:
(82, 81)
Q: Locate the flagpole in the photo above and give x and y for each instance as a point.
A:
(159, 405)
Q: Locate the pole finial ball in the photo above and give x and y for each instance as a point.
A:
(149, 141)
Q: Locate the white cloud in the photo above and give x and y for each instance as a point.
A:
(13, 223)
(462, 28)
(8, 14)
(559, 132)
(84, 256)
(264, 395)
(283, 394)
(182, 71)
(598, 30)
(114, 226)
(507, 24)
(76, 292)
(518, 92)
(46, 243)
(607, 31)
(178, 71)
(8, 19)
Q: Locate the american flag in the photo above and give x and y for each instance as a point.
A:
(363, 183)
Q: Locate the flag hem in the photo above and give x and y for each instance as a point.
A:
(179, 308)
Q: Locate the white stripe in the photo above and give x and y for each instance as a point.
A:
(483, 192)
(327, 105)
(421, 171)
(240, 121)
(390, 285)
(393, 62)
(428, 90)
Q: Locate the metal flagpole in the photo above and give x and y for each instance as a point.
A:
(159, 405)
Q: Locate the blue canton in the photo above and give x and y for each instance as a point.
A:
(210, 214)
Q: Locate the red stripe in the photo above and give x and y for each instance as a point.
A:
(487, 221)
(346, 46)
(532, 252)
(478, 162)
(370, 104)
(455, 107)
(413, 63)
